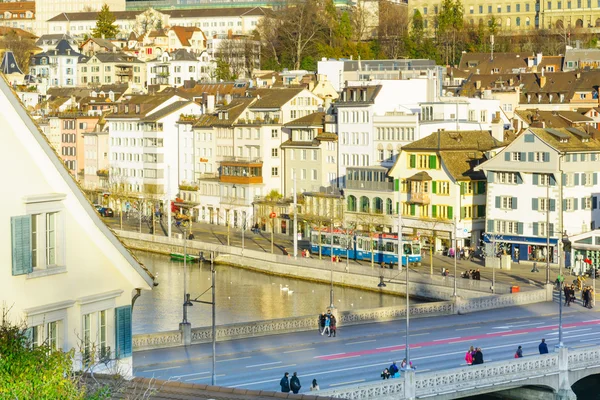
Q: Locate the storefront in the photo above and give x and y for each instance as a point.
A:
(523, 248)
(585, 246)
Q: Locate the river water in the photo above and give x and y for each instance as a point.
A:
(241, 295)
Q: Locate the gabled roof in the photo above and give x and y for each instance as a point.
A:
(92, 16)
(5, 30)
(503, 62)
(573, 143)
(9, 64)
(234, 111)
(455, 140)
(461, 164)
(116, 57)
(166, 111)
(185, 33)
(274, 98)
(314, 119)
(101, 42)
(216, 12)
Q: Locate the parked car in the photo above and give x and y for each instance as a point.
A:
(106, 212)
(98, 207)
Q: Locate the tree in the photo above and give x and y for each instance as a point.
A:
(22, 47)
(392, 32)
(449, 25)
(105, 24)
(223, 71)
(34, 372)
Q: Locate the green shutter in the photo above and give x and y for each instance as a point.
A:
(535, 229)
(450, 212)
(462, 188)
(432, 162)
(396, 185)
(412, 209)
(519, 228)
(480, 211)
(551, 230)
(413, 161)
(434, 211)
(490, 177)
(534, 204)
(535, 179)
(480, 187)
(490, 225)
(123, 332)
(552, 205)
(463, 212)
(434, 187)
(21, 244)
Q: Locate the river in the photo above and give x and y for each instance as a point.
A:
(241, 296)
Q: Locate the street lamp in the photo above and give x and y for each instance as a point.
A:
(185, 295)
(332, 258)
(189, 302)
(455, 256)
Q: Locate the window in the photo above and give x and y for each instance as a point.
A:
(274, 133)
(569, 179)
(303, 154)
(443, 188)
(507, 177)
(274, 171)
(102, 328)
(586, 203)
(314, 155)
(506, 202)
(483, 117)
(314, 174)
(87, 339)
(303, 174)
(544, 180)
(527, 7)
(516, 156)
(34, 240)
(569, 204)
(518, 7)
(510, 227)
(275, 152)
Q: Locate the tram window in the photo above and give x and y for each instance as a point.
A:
(315, 238)
(336, 240)
(381, 246)
(395, 248)
(407, 249)
(326, 239)
(373, 245)
(389, 247)
(416, 248)
(343, 242)
(360, 244)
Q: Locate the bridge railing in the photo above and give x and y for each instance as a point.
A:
(584, 358)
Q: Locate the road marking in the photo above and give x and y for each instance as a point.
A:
(465, 329)
(515, 334)
(583, 334)
(343, 358)
(576, 330)
(532, 324)
(280, 366)
(422, 370)
(254, 383)
(159, 369)
(183, 376)
(346, 383)
(419, 334)
(588, 340)
(451, 338)
(592, 320)
(330, 355)
(460, 341)
(362, 341)
(262, 365)
(203, 377)
(234, 359)
(296, 351)
(496, 333)
(389, 347)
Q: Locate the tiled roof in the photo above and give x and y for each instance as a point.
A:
(163, 112)
(573, 142)
(234, 110)
(116, 58)
(314, 119)
(274, 98)
(5, 30)
(221, 89)
(92, 16)
(461, 164)
(504, 62)
(102, 43)
(184, 33)
(455, 140)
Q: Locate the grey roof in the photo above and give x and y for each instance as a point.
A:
(116, 57)
(387, 65)
(181, 13)
(103, 43)
(63, 48)
(9, 64)
(171, 108)
(579, 55)
(53, 39)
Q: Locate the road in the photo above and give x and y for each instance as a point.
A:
(360, 353)
(519, 274)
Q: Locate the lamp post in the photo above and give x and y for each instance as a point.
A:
(295, 219)
(332, 257)
(560, 244)
(189, 302)
(455, 258)
(185, 295)
(140, 212)
(548, 229)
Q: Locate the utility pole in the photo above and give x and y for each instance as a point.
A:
(560, 257)
(455, 257)
(295, 219)
(548, 229)
(331, 256)
(169, 201)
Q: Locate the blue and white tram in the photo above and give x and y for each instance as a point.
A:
(381, 247)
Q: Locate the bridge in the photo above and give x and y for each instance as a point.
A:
(547, 376)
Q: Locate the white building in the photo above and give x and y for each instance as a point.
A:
(46, 10)
(65, 273)
(543, 171)
(143, 142)
(58, 66)
(173, 68)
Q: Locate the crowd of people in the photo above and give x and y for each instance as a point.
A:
(474, 355)
(474, 274)
(293, 384)
(327, 324)
(587, 294)
(393, 371)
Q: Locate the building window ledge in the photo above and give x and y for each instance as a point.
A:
(47, 272)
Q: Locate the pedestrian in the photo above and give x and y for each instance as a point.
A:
(478, 274)
(519, 353)
(295, 383)
(285, 383)
(332, 325)
(469, 356)
(478, 357)
(322, 322)
(327, 324)
(591, 297)
(404, 365)
(571, 294)
(567, 292)
(385, 374)
(584, 296)
(543, 347)
(315, 386)
(394, 371)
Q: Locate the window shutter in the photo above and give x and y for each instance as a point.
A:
(21, 245)
(432, 162)
(519, 228)
(550, 229)
(498, 201)
(535, 179)
(490, 225)
(413, 161)
(552, 205)
(462, 188)
(594, 202)
(434, 211)
(573, 157)
(593, 156)
(396, 185)
(564, 207)
(463, 212)
(514, 203)
(519, 179)
(552, 180)
(123, 331)
(535, 229)
(450, 212)
(530, 156)
(595, 178)
(576, 179)
(546, 156)
(490, 177)
(523, 156)
(480, 187)
(534, 204)
(564, 179)
(434, 187)
(507, 156)
(575, 203)
(412, 209)
(481, 211)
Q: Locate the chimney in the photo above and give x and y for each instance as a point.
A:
(578, 75)
(542, 80)
(497, 128)
(477, 85)
(538, 58)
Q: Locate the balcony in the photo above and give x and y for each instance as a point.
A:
(241, 171)
(418, 198)
(103, 173)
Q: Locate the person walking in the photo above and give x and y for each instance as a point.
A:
(519, 353)
(478, 357)
(571, 294)
(469, 356)
(543, 347)
(332, 325)
(314, 387)
(394, 371)
(567, 292)
(321, 322)
(585, 296)
(285, 383)
(295, 383)
(326, 328)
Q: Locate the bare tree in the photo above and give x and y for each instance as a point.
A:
(22, 47)
(361, 18)
(392, 31)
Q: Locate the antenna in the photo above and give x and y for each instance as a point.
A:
(492, 43)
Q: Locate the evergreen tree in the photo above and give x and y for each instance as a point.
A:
(105, 24)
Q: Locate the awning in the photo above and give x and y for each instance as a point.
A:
(421, 176)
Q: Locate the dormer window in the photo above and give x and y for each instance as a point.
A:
(539, 98)
(550, 98)
(126, 108)
(529, 98)
(562, 97)
(137, 108)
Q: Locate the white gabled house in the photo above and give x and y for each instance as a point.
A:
(64, 272)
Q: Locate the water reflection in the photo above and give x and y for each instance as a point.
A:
(242, 295)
